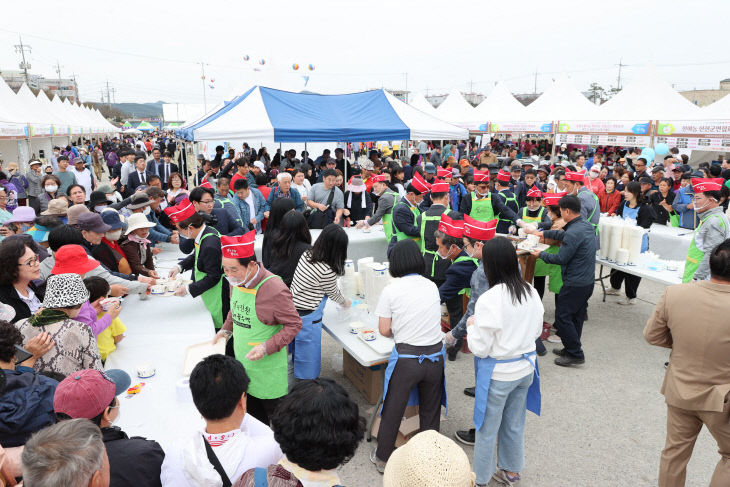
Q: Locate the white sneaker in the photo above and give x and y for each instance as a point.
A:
(627, 301)
(554, 339)
(613, 292)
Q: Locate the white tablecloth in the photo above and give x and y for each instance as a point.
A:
(336, 322)
(159, 330)
(669, 243)
(361, 244)
(668, 278)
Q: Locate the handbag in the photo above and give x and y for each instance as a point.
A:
(319, 219)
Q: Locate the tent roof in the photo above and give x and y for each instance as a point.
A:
(500, 105)
(455, 109)
(720, 110)
(263, 113)
(419, 102)
(561, 101)
(649, 97)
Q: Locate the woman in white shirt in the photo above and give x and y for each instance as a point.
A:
(409, 310)
(301, 184)
(507, 320)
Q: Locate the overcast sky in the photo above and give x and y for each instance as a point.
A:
(149, 51)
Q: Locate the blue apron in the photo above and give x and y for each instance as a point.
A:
(633, 214)
(307, 349)
(484, 369)
(413, 397)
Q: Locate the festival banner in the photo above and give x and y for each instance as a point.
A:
(712, 135)
(603, 132)
(521, 127)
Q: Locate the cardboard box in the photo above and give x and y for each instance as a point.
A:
(409, 425)
(367, 380)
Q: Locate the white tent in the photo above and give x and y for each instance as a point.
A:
(500, 105)
(455, 109)
(561, 101)
(418, 101)
(12, 117)
(649, 97)
(720, 110)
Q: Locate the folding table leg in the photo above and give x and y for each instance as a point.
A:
(372, 417)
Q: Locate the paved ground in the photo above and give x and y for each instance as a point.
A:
(602, 424)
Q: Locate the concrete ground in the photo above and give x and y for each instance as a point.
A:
(602, 424)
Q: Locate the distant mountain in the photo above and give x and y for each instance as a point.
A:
(135, 110)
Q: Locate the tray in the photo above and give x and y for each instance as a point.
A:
(196, 353)
(381, 344)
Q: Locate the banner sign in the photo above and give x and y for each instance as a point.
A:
(604, 139)
(521, 127)
(620, 127)
(711, 135)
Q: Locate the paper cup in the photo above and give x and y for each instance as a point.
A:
(356, 327)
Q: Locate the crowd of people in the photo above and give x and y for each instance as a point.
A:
(72, 245)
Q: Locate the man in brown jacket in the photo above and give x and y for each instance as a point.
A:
(697, 381)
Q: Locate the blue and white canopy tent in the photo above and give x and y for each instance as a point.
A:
(266, 114)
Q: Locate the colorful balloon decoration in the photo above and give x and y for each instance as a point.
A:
(295, 66)
(661, 149)
(648, 154)
(246, 58)
(311, 67)
(262, 61)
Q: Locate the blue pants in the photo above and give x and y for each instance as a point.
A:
(504, 425)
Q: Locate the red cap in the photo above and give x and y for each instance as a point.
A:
(206, 184)
(480, 177)
(575, 176)
(552, 199)
(503, 176)
(442, 172)
(73, 259)
(439, 187)
(84, 394)
(479, 230)
(181, 211)
(700, 185)
(377, 178)
(451, 227)
(419, 183)
(238, 247)
(534, 192)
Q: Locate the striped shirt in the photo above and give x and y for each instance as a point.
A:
(311, 282)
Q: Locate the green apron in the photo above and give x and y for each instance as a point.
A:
(269, 379)
(225, 201)
(595, 207)
(481, 209)
(466, 290)
(400, 235)
(213, 297)
(507, 200)
(555, 276)
(695, 255)
(388, 217)
(422, 243)
(541, 267)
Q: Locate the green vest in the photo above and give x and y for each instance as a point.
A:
(399, 235)
(466, 290)
(212, 298)
(507, 200)
(481, 209)
(695, 255)
(269, 379)
(225, 201)
(388, 217)
(422, 243)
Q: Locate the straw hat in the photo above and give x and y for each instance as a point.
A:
(137, 221)
(429, 459)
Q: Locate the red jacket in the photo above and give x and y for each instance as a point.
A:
(609, 201)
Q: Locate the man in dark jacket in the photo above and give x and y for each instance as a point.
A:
(26, 396)
(577, 260)
(428, 223)
(92, 394)
(405, 213)
(203, 200)
(508, 199)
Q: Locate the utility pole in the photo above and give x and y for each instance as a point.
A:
(114, 95)
(24, 65)
(108, 98)
(202, 77)
(76, 89)
(536, 73)
(618, 80)
(102, 96)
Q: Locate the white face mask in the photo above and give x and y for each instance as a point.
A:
(146, 210)
(233, 281)
(438, 252)
(51, 188)
(700, 208)
(114, 236)
(470, 254)
(99, 208)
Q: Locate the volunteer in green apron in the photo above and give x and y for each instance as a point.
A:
(384, 211)
(205, 261)
(262, 322)
(428, 222)
(552, 271)
(481, 199)
(507, 198)
(537, 214)
(713, 228)
(406, 211)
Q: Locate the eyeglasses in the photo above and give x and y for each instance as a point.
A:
(206, 202)
(33, 261)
